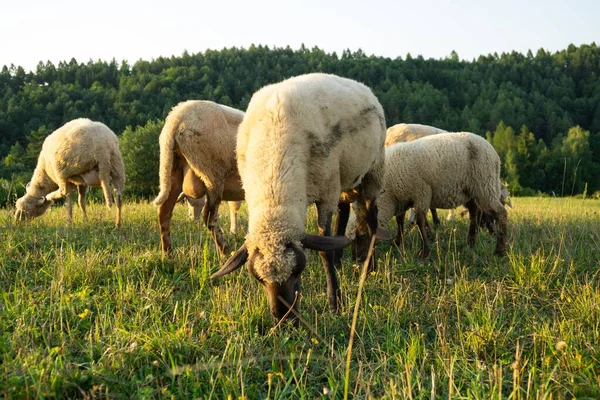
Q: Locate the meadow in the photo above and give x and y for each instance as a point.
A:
(90, 311)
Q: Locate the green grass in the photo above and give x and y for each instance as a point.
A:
(90, 311)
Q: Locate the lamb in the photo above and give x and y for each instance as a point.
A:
(306, 140)
(407, 133)
(195, 206)
(197, 156)
(443, 171)
(81, 153)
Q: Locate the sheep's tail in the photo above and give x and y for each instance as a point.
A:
(167, 147)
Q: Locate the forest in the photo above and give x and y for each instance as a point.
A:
(540, 111)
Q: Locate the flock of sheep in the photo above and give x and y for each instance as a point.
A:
(312, 139)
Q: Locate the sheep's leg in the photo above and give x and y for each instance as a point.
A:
(69, 202)
(119, 202)
(366, 209)
(165, 211)
(210, 216)
(434, 217)
(422, 224)
(474, 216)
(81, 192)
(500, 215)
(400, 232)
(234, 207)
(341, 223)
(486, 221)
(366, 226)
(58, 193)
(104, 177)
(334, 294)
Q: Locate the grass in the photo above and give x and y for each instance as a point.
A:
(90, 311)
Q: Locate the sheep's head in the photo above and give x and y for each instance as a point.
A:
(30, 207)
(279, 270)
(359, 248)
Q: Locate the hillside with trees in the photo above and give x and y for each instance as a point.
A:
(541, 112)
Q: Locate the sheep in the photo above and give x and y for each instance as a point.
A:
(197, 156)
(407, 133)
(306, 140)
(195, 206)
(80, 154)
(443, 171)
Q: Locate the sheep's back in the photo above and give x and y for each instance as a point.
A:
(205, 133)
(77, 147)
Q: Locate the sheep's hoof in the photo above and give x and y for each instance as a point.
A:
(501, 252)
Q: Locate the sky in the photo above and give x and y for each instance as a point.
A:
(58, 30)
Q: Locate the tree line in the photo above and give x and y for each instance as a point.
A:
(541, 112)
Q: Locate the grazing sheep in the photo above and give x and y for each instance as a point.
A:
(400, 133)
(197, 156)
(195, 206)
(306, 140)
(443, 171)
(81, 153)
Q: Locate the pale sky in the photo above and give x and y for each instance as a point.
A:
(55, 30)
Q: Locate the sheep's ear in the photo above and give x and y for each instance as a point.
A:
(383, 234)
(235, 262)
(509, 203)
(324, 243)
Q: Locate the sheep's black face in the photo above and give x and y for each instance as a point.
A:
(283, 294)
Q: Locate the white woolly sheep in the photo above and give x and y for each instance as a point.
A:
(81, 153)
(194, 207)
(443, 171)
(306, 140)
(400, 133)
(197, 156)
(407, 133)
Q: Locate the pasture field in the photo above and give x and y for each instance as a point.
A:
(90, 311)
